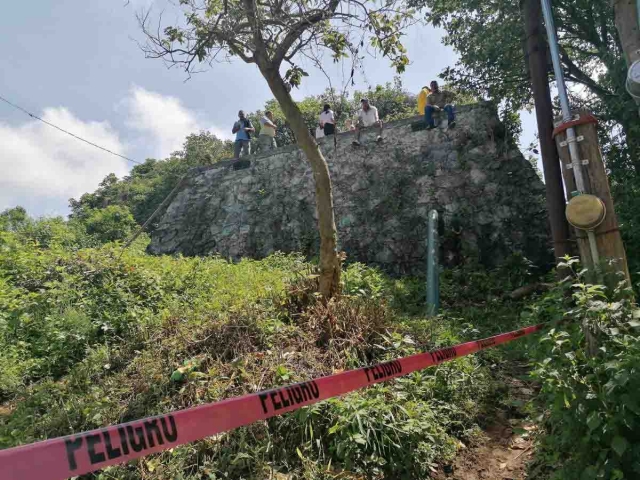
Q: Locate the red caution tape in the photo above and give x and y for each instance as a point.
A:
(74, 455)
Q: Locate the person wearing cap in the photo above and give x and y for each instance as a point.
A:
(439, 100)
(422, 99)
(367, 118)
(327, 120)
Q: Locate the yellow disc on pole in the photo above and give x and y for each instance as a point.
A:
(585, 211)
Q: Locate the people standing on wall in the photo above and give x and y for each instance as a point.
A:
(327, 120)
(422, 99)
(367, 118)
(243, 129)
(267, 137)
(439, 100)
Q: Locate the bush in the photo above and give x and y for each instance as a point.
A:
(590, 395)
(109, 224)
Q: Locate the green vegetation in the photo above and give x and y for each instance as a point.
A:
(589, 397)
(90, 338)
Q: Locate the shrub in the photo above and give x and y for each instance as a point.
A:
(590, 396)
(109, 224)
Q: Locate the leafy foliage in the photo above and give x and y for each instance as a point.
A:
(144, 189)
(81, 330)
(590, 402)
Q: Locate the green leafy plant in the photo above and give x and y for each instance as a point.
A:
(591, 406)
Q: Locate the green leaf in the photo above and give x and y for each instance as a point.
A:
(593, 421)
(589, 473)
(619, 444)
(630, 403)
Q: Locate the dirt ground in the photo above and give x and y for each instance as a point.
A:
(505, 451)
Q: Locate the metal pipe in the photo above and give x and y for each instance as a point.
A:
(566, 114)
(433, 281)
(562, 92)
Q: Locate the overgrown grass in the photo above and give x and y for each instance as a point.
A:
(90, 338)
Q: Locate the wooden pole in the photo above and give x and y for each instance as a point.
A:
(626, 20)
(536, 50)
(608, 238)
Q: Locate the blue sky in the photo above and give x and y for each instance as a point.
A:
(76, 64)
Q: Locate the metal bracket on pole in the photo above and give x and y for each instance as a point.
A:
(576, 116)
(569, 166)
(566, 142)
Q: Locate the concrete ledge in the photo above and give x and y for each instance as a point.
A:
(416, 122)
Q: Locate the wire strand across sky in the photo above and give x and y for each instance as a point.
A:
(67, 132)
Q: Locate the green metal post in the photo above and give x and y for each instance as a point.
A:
(433, 280)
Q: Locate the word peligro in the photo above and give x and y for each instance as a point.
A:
(100, 446)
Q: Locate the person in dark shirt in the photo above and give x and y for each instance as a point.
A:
(243, 129)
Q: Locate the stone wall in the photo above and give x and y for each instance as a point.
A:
(489, 196)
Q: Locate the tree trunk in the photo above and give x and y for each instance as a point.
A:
(330, 262)
(626, 18)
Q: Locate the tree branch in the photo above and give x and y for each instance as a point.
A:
(581, 77)
(297, 30)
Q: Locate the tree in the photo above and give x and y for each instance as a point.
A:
(626, 20)
(109, 224)
(489, 36)
(274, 33)
(12, 219)
(148, 184)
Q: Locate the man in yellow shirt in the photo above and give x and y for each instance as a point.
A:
(422, 99)
(436, 101)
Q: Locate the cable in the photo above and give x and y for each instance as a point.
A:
(68, 133)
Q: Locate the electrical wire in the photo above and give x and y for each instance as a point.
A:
(68, 133)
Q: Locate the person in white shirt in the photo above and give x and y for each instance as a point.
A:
(367, 118)
(267, 137)
(327, 120)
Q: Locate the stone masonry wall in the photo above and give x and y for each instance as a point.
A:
(488, 195)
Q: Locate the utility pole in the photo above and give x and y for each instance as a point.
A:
(536, 49)
(627, 19)
(590, 209)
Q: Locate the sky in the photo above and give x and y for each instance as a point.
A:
(78, 65)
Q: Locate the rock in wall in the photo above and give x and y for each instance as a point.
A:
(489, 197)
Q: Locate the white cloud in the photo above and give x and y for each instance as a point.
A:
(165, 120)
(42, 167)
